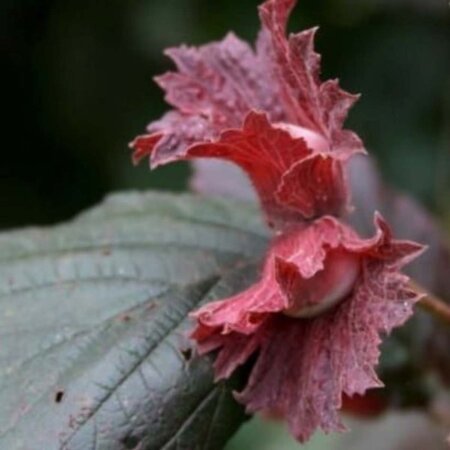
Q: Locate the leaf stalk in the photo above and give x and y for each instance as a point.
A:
(432, 304)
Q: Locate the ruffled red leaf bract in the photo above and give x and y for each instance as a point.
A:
(325, 295)
(304, 366)
(220, 92)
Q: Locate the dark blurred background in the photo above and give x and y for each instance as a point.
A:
(76, 83)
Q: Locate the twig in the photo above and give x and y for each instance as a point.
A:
(432, 304)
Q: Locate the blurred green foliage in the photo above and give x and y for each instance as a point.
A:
(393, 431)
(77, 88)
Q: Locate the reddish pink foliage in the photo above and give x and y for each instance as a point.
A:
(220, 92)
(321, 107)
(310, 187)
(318, 182)
(304, 366)
(325, 295)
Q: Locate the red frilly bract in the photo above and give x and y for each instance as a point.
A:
(325, 295)
(304, 366)
(265, 110)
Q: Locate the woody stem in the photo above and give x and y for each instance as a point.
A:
(432, 304)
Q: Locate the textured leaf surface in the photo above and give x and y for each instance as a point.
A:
(93, 325)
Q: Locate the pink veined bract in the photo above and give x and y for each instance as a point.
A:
(325, 295)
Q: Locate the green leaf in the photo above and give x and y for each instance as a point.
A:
(93, 325)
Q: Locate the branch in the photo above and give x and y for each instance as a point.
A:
(432, 304)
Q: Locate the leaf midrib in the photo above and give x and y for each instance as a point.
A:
(202, 294)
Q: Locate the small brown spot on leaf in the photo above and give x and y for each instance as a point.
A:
(187, 354)
(131, 442)
(59, 395)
